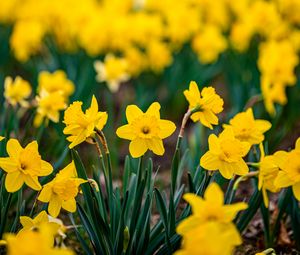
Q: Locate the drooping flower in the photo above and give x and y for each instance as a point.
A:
(248, 129)
(113, 71)
(34, 243)
(54, 82)
(290, 170)
(48, 107)
(81, 126)
(23, 165)
(268, 171)
(226, 154)
(146, 131)
(16, 91)
(61, 191)
(208, 103)
(210, 217)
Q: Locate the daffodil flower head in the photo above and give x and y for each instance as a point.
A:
(48, 106)
(207, 102)
(54, 82)
(16, 91)
(81, 125)
(290, 170)
(145, 130)
(113, 71)
(34, 243)
(248, 129)
(23, 165)
(62, 190)
(226, 154)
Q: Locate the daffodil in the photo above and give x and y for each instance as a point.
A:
(210, 217)
(23, 165)
(268, 171)
(79, 125)
(207, 103)
(48, 106)
(34, 243)
(41, 219)
(248, 129)
(290, 170)
(113, 71)
(61, 191)
(16, 91)
(226, 154)
(211, 208)
(54, 82)
(145, 130)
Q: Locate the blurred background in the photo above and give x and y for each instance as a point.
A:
(140, 51)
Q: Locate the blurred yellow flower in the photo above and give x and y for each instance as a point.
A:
(16, 91)
(208, 103)
(113, 71)
(226, 154)
(61, 191)
(34, 243)
(54, 82)
(48, 106)
(290, 170)
(81, 126)
(210, 217)
(145, 130)
(2, 138)
(26, 39)
(209, 43)
(248, 129)
(23, 165)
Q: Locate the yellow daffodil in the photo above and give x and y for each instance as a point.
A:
(16, 91)
(113, 71)
(268, 171)
(41, 219)
(23, 165)
(226, 154)
(248, 129)
(48, 107)
(81, 126)
(290, 170)
(34, 243)
(200, 241)
(61, 191)
(210, 208)
(145, 130)
(210, 217)
(54, 82)
(208, 103)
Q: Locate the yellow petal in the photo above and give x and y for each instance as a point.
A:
(195, 201)
(133, 112)
(32, 146)
(262, 125)
(13, 181)
(69, 205)
(46, 168)
(210, 161)
(54, 206)
(8, 165)
(125, 132)
(13, 148)
(26, 222)
(282, 180)
(167, 128)
(137, 147)
(41, 217)
(103, 120)
(230, 211)
(265, 197)
(227, 169)
(214, 144)
(2, 138)
(214, 194)
(296, 190)
(153, 110)
(156, 145)
(32, 182)
(45, 194)
(240, 167)
(298, 144)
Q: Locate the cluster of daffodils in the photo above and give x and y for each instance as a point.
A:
(136, 36)
(53, 92)
(210, 218)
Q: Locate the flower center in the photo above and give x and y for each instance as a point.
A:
(146, 130)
